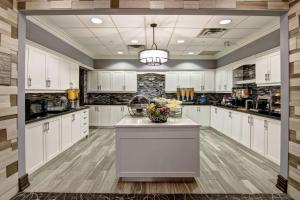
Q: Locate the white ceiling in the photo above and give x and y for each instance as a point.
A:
(116, 32)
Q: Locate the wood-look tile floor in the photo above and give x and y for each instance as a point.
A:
(89, 167)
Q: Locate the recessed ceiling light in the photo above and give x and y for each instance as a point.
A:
(180, 41)
(120, 52)
(191, 53)
(225, 21)
(96, 20)
(134, 41)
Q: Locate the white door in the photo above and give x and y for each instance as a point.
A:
(52, 139)
(52, 72)
(104, 113)
(184, 79)
(34, 147)
(92, 81)
(209, 81)
(116, 114)
(65, 75)
(204, 115)
(130, 81)
(66, 131)
(104, 80)
(76, 125)
(171, 82)
(74, 74)
(118, 83)
(236, 123)
(227, 125)
(273, 141)
(261, 69)
(258, 135)
(275, 68)
(197, 81)
(246, 130)
(36, 69)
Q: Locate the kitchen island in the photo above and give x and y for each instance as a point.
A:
(147, 150)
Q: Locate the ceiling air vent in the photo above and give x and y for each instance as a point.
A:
(136, 47)
(208, 53)
(212, 32)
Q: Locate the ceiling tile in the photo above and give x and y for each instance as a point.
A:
(238, 33)
(162, 37)
(64, 21)
(106, 21)
(107, 36)
(87, 40)
(193, 21)
(214, 22)
(129, 34)
(258, 22)
(125, 21)
(167, 21)
(78, 32)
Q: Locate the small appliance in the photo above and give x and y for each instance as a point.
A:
(202, 99)
(35, 108)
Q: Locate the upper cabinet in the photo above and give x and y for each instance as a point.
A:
(112, 81)
(48, 72)
(267, 69)
(201, 81)
(224, 79)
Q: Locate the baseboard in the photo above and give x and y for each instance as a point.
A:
(282, 183)
(23, 182)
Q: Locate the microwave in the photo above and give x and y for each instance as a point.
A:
(35, 108)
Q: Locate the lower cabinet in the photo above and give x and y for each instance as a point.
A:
(45, 139)
(272, 142)
(246, 130)
(199, 114)
(236, 126)
(216, 118)
(258, 134)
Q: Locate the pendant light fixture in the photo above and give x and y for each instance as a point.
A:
(153, 56)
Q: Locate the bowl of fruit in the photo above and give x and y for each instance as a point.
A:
(157, 111)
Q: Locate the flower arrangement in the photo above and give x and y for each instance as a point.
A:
(157, 111)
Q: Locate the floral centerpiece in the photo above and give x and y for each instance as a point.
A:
(157, 111)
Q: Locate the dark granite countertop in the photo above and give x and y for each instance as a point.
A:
(52, 115)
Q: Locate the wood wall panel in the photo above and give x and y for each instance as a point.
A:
(8, 94)
(294, 122)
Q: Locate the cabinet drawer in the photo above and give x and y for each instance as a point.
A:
(85, 132)
(84, 123)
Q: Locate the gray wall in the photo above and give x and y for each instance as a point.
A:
(132, 64)
(46, 39)
(265, 43)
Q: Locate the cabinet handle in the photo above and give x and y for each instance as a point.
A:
(73, 117)
(100, 87)
(48, 83)
(29, 82)
(266, 124)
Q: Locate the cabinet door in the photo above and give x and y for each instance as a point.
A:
(227, 125)
(246, 130)
(34, 147)
(52, 139)
(220, 120)
(209, 81)
(65, 75)
(275, 68)
(171, 81)
(273, 141)
(104, 80)
(118, 83)
(261, 69)
(258, 135)
(184, 79)
(228, 84)
(130, 81)
(76, 123)
(192, 113)
(197, 81)
(74, 75)
(219, 84)
(204, 115)
(66, 132)
(36, 69)
(92, 80)
(213, 117)
(53, 72)
(116, 114)
(93, 116)
(236, 122)
(104, 113)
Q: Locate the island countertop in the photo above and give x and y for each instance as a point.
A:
(129, 121)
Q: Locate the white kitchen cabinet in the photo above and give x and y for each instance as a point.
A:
(34, 147)
(104, 81)
(84, 127)
(76, 125)
(197, 81)
(52, 138)
(199, 114)
(36, 69)
(104, 115)
(184, 79)
(268, 69)
(53, 72)
(246, 130)
(74, 75)
(273, 138)
(118, 83)
(92, 81)
(217, 118)
(66, 131)
(130, 79)
(171, 82)
(227, 124)
(258, 135)
(93, 115)
(117, 113)
(224, 79)
(65, 75)
(236, 123)
(213, 117)
(209, 81)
